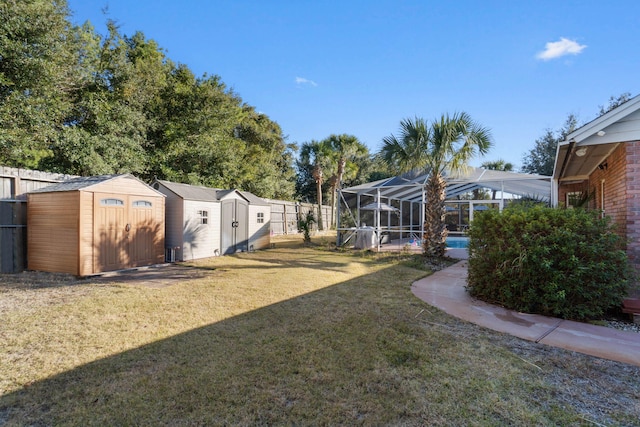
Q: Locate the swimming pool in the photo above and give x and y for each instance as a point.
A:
(457, 242)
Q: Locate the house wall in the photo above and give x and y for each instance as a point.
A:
(576, 187)
(259, 233)
(52, 234)
(621, 179)
(633, 201)
(614, 180)
(200, 240)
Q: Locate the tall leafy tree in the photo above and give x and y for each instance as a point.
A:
(107, 131)
(447, 144)
(210, 137)
(614, 102)
(37, 78)
(372, 169)
(75, 101)
(198, 143)
(269, 158)
(541, 158)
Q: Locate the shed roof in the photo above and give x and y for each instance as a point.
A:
(75, 183)
(206, 194)
(86, 182)
(191, 192)
(253, 199)
(409, 187)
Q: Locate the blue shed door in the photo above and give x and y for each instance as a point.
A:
(235, 226)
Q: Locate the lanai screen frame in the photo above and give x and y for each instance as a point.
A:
(409, 188)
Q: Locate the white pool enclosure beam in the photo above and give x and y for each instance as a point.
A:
(395, 205)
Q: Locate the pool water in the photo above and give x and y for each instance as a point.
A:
(452, 242)
(457, 242)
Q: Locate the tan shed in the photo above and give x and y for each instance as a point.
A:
(90, 225)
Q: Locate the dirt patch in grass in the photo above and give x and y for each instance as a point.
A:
(291, 335)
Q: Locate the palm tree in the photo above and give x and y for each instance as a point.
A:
(498, 165)
(344, 149)
(318, 154)
(447, 144)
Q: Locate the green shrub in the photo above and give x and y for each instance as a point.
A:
(305, 224)
(565, 263)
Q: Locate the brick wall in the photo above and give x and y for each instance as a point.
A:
(575, 187)
(613, 178)
(620, 177)
(632, 167)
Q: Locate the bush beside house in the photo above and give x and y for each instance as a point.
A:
(566, 263)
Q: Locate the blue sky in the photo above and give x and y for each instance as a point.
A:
(359, 67)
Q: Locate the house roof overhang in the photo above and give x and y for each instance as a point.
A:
(585, 149)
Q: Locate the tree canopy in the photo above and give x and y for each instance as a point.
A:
(542, 157)
(358, 166)
(78, 102)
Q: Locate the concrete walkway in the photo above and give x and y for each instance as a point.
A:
(445, 290)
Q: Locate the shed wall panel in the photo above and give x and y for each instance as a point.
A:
(174, 218)
(124, 185)
(259, 232)
(200, 240)
(86, 246)
(159, 235)
(52, 236)
(216, 218)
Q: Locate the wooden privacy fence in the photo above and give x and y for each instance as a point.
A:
(14, 186)
(285, 216)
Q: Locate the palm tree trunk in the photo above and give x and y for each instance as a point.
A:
(337, 185)
(319, 189)
(334, 189)
(435, 230)
(318, 176)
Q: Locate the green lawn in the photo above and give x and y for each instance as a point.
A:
(286, 336)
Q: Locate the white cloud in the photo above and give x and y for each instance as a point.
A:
(302, 80)
(560, 48)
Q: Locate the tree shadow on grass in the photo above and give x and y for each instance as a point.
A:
(364, 351)
(307, 358)
(274, 259)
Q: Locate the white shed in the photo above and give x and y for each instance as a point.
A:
(202, 222)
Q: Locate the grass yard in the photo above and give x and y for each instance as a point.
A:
(287, 336)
